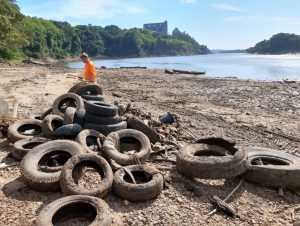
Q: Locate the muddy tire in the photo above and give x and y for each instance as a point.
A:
(113, 146)
(77, 86)
(72, 170)
(67, 131)
(211, 161)
(103, 120)
(278, 169)
(46, 113)
(93, 209)
(93, 97)
(79, 117)
(67, 100)
(30, 165)
(50, 124)
(17, 131)
(149, 189)
(134, 123)
(69, 115)
(106, 129)
(101, 108)
(22, 147)
(91, 140)
(89, 89)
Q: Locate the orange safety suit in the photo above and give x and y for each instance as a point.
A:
(89, 70)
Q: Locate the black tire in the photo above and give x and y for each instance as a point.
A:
(150, 189)
(211, 161)
(72, 170)
(93, 209)
(101, 108)
(77, 86)
(96, 141)
(69, 100)
(93, 97)
(50, 124)
(22, 147)
(103, 120)
(32, 173)
(67, 131)
(45, 114)
(279, 169)
(79, 117)
(134, 123)
(69, 115)
(113, 142)
(89, 89)
(106, 129)
(17, 131)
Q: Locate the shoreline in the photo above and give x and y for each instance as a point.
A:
(240, 111)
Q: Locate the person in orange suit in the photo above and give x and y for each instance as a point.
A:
(89, 69)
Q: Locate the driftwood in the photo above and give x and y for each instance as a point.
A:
(189, 72)
(32, 61)
(133, 67)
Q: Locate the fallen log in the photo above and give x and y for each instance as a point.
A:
(133, 67)
(188, 72)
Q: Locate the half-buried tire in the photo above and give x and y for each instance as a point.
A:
(211, 161)
(87, 209)
(273, 168)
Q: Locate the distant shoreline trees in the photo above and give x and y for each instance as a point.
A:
(23, 36)
(282, 43)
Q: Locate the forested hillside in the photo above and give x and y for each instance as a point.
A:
(22, 36)
(281, 43)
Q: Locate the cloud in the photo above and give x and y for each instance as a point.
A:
(97, 9)
(226, 7)
(188, 1)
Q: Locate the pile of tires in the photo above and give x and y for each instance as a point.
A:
(78, 133)
(103, 117)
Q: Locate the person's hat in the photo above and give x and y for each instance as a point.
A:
(84, 55)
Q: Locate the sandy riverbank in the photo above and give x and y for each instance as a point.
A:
(246, 112)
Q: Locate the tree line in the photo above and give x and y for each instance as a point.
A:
(23, 36)
(282, 43)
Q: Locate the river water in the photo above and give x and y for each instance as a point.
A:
(240, 65)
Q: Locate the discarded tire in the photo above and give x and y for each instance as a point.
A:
(22, 147)
(50, 124)
(103, 120)
(273, 168)
(19, 130)
(79, 117)
(77, 86)
(211, 161)
(67, 100)
(69, 115)
(93, 97)
(91, 209)
(47, 180)
(114, 143)
(105, 129)
(134, 123)
(147, 187)
(67, 131)
(91, 140)
(46, 113)
(89, 89)
(72, 170)
(101, 108)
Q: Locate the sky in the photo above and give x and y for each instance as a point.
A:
(219, 24)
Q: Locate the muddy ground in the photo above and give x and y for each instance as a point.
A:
(251, 113)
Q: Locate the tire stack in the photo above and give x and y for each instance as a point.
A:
(103, 117)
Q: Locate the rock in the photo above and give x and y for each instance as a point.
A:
(180, 200)
(126, 203)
